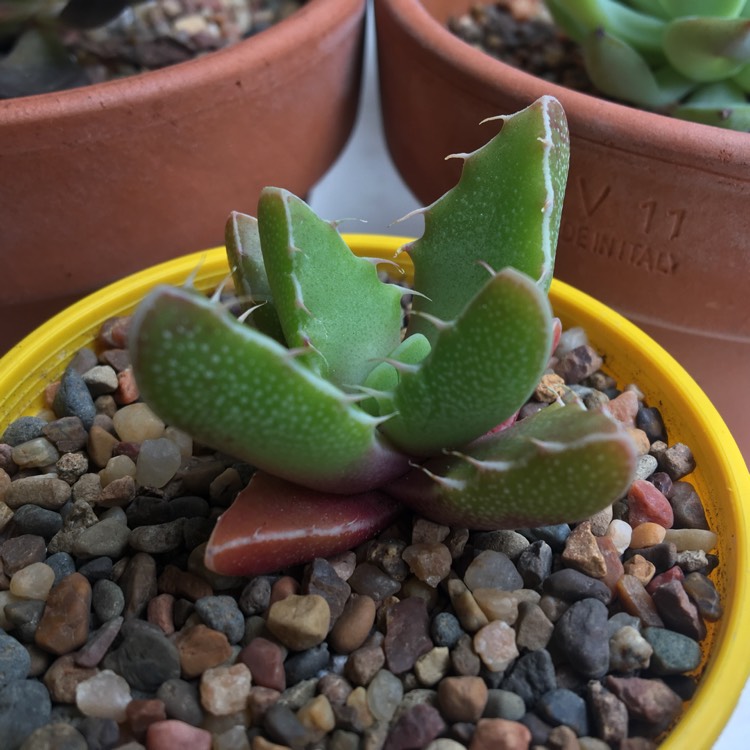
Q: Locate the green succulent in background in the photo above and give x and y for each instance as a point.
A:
(33, 58)
(688, 58)
(344, 413)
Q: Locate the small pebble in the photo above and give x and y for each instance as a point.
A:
(169, 734)
(158, 461)
(300, 622)
(65, 623)
(629, 651)
(224, 690)
(105, 696)
(33, 582)
(462, 698)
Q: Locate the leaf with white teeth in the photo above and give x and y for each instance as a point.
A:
(242, 393)
(504, 212)
(560, 465)
(327, 298)
(482, 367)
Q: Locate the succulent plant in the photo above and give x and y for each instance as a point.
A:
(688, 58)
(345, 415)
(33, 58)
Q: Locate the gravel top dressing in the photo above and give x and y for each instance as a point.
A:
(113, 634)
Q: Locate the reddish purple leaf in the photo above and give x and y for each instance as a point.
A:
(273, 524)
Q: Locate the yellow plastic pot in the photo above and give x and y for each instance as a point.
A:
(720, 478)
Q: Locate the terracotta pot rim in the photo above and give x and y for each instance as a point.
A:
(590, 117)
(261, 48)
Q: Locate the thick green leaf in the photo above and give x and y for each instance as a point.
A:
(617, 69)
(641, 30)
(719, 8)
(328, 300)
(708, 49)
(482, 368)
(722, 104)
(504, 212)
(561, 465)
(240, 392)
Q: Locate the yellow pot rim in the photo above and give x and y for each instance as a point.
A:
(41, 357)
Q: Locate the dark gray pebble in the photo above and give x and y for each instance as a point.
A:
(55, 736)
(322, 579)
(532, 675)
(14, 660)
(196, 531)
(687, 507)
(306, 664)
(107, 600)
(100, 734)
(535, 564)
(222, 613)
(24, 706)
(539, 729)
(581, 634)
(256, 596)
(159, 538)
(23, 429)
(189, 506)
(147, 511)
(649, 420)
(555, 535)
(502, 704)
(562, 706)
(62, 563)
(445, 629)
(571, 586)
(674, 653)
(181, 701)
(31, 519)
(98, 569)
(73, 399)
(704, 595)
(146, 658)
(25, 615)
(369, 579)
(283, 726)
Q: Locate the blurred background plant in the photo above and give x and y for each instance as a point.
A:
(685, 58)
(50, 45)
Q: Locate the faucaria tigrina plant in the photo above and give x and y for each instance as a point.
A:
(345, 416)
(688, 58)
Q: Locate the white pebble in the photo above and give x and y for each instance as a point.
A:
(33, 582)
(691, 539)
(158, 461)
(135, 423)
(117, 467)
(620, 532)
(104, 696)
(181, 439)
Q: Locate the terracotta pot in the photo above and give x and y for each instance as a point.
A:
(630, 355)
(101, 181)
(655, 220)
